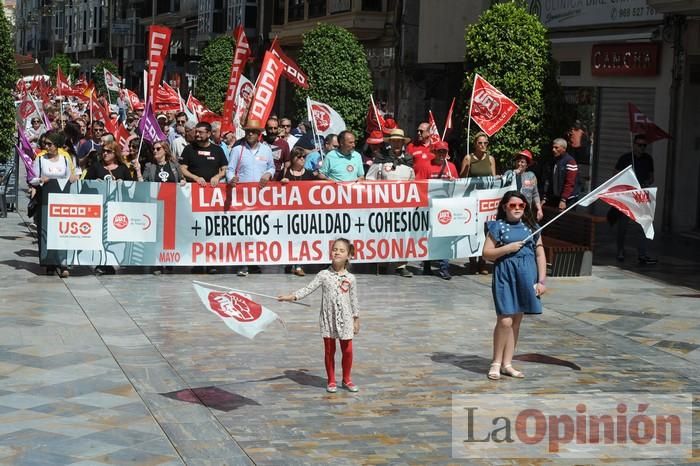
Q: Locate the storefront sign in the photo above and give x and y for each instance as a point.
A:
(565, 13)
(294, 223)
(625, 60)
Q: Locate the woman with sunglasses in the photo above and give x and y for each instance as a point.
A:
(296, 172)
(109, 166)
(520, 268)
(478, 163)
(164, 168)
(52, 164)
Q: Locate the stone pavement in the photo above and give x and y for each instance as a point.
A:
(131, 369)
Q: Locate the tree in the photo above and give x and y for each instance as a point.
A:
(64, 62)
(214, 72)
(8, 79)
(508, 47)
(336, 64)
(99, 75)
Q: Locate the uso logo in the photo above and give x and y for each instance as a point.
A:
(120, 221)
(444, 216)
(235, 306)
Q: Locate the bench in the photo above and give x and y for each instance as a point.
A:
(568, 242)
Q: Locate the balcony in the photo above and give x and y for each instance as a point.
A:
(677, 7)
(366, 19)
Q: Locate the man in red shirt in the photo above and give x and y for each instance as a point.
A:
(419, 149)
(439, 168)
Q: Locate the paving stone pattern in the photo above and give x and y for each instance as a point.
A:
(131, 369)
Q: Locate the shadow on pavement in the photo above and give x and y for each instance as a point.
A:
(211, 397)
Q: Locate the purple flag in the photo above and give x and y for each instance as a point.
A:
(150, 130)
(25, 151)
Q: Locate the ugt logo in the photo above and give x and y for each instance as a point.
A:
(487, 103)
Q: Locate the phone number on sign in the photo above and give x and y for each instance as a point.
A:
(642, 11)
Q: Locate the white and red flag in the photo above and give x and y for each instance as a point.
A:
(324, 118)
(637, 204)
(238, 311)
(266, 88)
(625, 180)
(132, 98)
(112, 82)
(63, 87)
(434, 133)
(202, 112)
(240, 57)
(158, 47)
(292, 71)
(641, 124)
(489, 107)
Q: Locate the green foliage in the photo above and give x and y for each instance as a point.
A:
(8, 79)
(214, 72)
(64, 61)
(99, 76)
(508, 47)
(336, 64)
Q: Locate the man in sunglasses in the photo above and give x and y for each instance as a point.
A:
(643, 166)
(279, 147)
(98, 130)
(419, 149)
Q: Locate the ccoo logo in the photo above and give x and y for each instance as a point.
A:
(234, 305)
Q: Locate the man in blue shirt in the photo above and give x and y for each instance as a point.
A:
(251, 161)
(314, 159)
(344, 163)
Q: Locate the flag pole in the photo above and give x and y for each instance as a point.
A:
(376, 114)
(312, 120)
(469, 119)
(449, 115)
(247, 292)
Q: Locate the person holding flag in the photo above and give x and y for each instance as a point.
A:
(643, 166)
(340, 312)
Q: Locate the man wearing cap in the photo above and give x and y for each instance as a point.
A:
(163, 123)
(439, 168)
(387, 165)
(251, 162)
(181, 142)
(228, 140)
(202, 161)
(420, 151)
(343, 163)
(526, 181)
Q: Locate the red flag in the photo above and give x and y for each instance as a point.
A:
(240, 56)
(489, 108)
(641, 124)
(158, 46)
(166, 99)
(132, 98)
(291, 69)
(375, 122)
(122, 135)
(638, 204)
(62, 83)
(202, 112)
(266, 88)
(434, 133)
(98, 112)
(448, 120)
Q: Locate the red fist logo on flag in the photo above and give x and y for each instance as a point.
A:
(234, 305)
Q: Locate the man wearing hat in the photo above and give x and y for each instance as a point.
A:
(251, 162)
(343, 163)
(397, 141)
(526, 181)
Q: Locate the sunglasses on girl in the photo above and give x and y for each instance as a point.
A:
(516, 205)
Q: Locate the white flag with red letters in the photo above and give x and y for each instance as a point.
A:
(637, 204)
(324, 118)
(625, 180)
(238, 311)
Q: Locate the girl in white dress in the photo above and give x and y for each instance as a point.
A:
(340, 314)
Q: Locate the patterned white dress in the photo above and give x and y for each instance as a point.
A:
(338, 302)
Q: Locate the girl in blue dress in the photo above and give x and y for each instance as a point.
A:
(518, 276)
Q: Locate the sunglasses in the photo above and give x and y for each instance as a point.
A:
(483, 143)
(107, 151)
(286, 126)
(300, 156)
(516, 205)
(181, 122)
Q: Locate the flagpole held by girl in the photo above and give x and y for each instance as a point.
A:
(520, 269)
(340, 314)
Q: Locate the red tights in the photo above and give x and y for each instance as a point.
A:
(346, 348)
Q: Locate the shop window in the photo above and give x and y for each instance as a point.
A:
(339, 6)
(278, 12)
(570, 68)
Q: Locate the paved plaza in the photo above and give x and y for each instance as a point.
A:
(131, 369)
